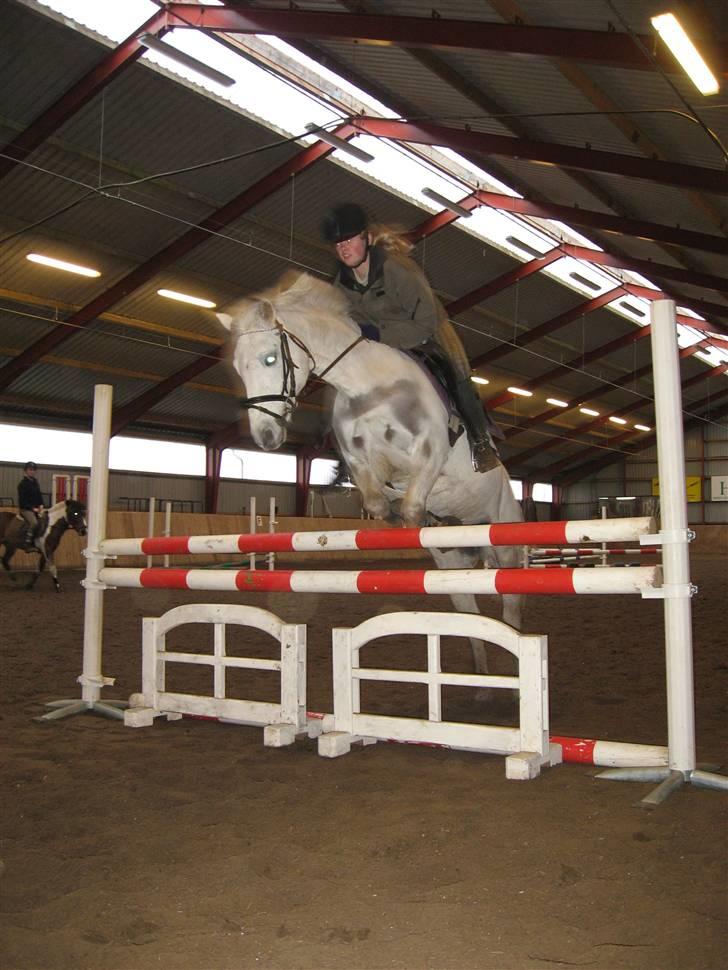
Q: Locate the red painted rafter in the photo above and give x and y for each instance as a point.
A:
(81, 92)
(631, 166)
(520, 272)
(603, 419)
(549, 326)
(636, 228)
(584, 45)
(165, 257)
(581, 471)
(577, 362)
(551, 470)
(647, 267)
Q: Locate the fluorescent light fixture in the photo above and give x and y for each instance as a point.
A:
(479, 380)
(618, 420)
(590, 412)
(685, 52)
(446, 203)
(62, 264)
(556, 402)
(520, 391)
(166, 50)
(626, 498)
(186, 298)
(642, 427)
(339, 143)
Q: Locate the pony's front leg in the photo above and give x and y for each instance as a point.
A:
(427, 462)
(371, 489)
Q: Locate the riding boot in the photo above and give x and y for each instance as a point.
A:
(483, 453)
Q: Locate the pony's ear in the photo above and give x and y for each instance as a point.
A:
(266, 311)
(225, 319)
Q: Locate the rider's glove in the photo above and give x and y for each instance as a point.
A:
(370, 331)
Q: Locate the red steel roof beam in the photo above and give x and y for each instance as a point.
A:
(646, 267)
(165, 257)
(588, 45)
(521, 272)
(631, 166)
(81, 92)
(603, 419)
(555, 323)
(654, 232)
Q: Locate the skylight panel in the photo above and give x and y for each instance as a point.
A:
(573, 272)
(113, 20)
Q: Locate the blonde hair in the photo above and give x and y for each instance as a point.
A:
(393, 239)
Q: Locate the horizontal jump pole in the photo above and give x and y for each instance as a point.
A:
(594, 551)
(430, 537)
(434, 581)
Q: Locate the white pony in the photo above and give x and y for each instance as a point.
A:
(390, 423)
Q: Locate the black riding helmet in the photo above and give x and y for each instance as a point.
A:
(30, 464)
(343, 221)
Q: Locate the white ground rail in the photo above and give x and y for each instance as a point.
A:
(527, 746)
(281, 721)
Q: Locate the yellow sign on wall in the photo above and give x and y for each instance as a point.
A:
(693, 487)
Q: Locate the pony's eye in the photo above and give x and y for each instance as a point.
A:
(270, 359)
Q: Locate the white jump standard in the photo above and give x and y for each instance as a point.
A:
(671, 581)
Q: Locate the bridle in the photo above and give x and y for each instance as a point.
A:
(288, 390)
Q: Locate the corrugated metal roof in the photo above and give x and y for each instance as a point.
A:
(147, 122)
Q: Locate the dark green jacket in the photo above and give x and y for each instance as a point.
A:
(397, 299)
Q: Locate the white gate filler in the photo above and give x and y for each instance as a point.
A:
(529, 743)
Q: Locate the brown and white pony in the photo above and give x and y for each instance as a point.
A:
(62, 516)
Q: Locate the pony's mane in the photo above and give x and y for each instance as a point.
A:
(296, 293)
(307, 294)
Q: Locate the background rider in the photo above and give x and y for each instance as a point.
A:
(30, 499)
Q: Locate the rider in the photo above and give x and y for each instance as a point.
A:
(30, 500)
(392, 301)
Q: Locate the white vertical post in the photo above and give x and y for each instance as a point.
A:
(150, 526)
(253, 527)
(167, 527)
(272, 528)
(673, 521)
(91, 678)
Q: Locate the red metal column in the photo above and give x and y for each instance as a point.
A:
(213, 459)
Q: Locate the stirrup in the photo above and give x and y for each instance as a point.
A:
(483, 455)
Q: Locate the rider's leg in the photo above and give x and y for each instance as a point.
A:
(31, 524)
(469, 406)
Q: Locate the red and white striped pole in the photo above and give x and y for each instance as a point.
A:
(567, 582)
(500, 534)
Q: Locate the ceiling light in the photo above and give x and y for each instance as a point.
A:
(618, 420)
(166, 50)
(673, 33)
(186, 298)
(479, 380)
(590, 412)
(519, 244)
(520, 391)
(642, 427)
(62, 264)
(339, 143)
(556, 402)
(584, 281)
(443, 201)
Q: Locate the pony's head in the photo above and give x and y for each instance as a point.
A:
(273, 364)
(76, 516)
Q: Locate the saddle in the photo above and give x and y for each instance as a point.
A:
(30, 535)
(437, 372)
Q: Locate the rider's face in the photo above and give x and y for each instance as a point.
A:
(352, 251)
